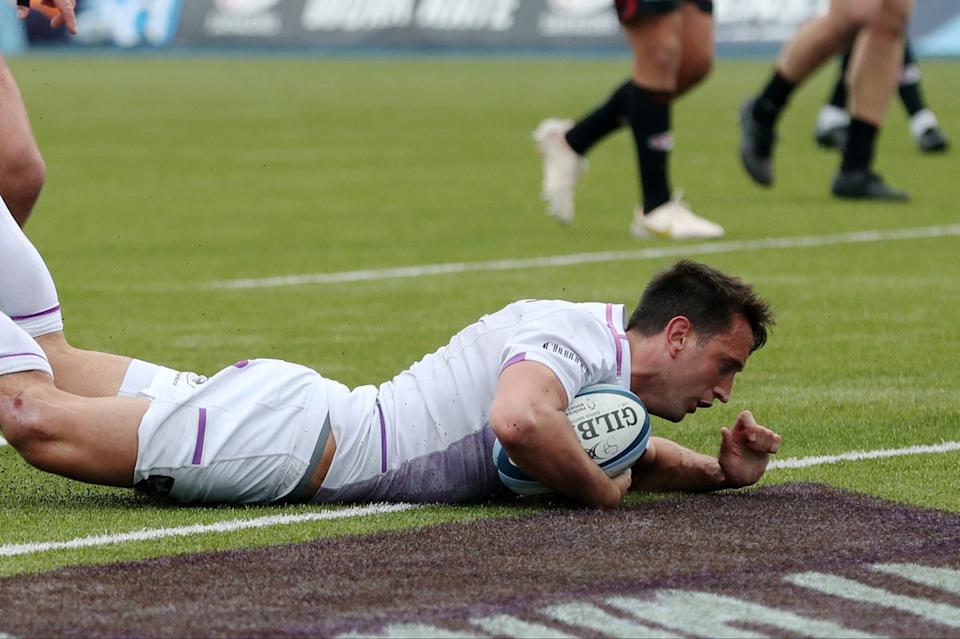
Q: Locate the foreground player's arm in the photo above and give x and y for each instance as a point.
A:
(745, 451)
(528, 418)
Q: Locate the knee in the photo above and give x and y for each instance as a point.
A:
(25, 429)
(694, 68)
(892, 18)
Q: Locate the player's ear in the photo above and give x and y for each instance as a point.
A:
(678, 334)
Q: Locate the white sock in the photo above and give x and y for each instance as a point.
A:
(832, 117)
(28, 295)
(921, 121)
(139, 377)
(18, 351)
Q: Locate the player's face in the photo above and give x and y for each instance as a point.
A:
(705, 372)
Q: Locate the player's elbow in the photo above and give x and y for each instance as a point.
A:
(514, 426)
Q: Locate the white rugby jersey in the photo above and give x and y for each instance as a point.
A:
(424, 436)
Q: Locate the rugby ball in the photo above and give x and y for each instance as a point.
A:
(613, 427)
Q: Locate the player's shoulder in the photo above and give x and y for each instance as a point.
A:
(581, 325)
(536, 309)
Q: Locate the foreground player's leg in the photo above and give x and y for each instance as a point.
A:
(874, 69)
(88, 439)
(28, 296)
(22, 171)
(810, 47)
(923, 123)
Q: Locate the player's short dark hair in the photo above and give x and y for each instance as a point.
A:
(705, 296)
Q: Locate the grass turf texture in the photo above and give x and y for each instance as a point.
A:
(168, 173)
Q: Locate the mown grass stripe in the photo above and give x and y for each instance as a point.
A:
(12, 550)
(676, 250)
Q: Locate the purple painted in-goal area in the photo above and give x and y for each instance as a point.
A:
(737, 553)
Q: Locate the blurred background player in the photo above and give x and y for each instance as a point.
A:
(833, 121)
(672, 46)
(22, 169)
(877, 28)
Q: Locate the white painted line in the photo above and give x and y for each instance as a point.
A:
(705, 614)
(946, 579)
(844, 588)
(676, 250)
(598, 621)
(12, 550)
(510, 626)
(860, 455)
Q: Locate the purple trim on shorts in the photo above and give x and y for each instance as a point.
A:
(242, 363)
(23, 355)
(516, 359)
(201, 431)
(18, 318)
(383, 439)
(616, 337)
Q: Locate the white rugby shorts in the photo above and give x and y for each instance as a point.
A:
(252, 433)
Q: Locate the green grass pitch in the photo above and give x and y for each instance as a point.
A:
(168, 173)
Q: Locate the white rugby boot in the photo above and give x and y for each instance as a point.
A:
(673, 220)
(562, 168)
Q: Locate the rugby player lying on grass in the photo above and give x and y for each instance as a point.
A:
(266, 430)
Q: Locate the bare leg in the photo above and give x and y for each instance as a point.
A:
(810, 47)
(696, 51)
(874, 70)
(656, 42)
(22, 170)
(821, 38)
(876, 62)
(82, 372)
(87, 439)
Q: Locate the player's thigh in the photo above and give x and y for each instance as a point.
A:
(697, 50)
(655, 40)
(252, 433)
(853, 13)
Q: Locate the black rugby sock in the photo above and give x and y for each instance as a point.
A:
(649, 115)
(602, 121)
(858, 154)
(839, 96)
(772, 99)
(910, 93)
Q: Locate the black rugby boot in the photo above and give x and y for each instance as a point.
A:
(863, 184)
(756, 144)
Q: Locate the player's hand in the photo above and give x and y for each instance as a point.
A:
(622, 482)
(67, 13)
(745, 450)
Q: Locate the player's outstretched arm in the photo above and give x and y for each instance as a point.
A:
(67, 12)
(528, 417)
(745, 450)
